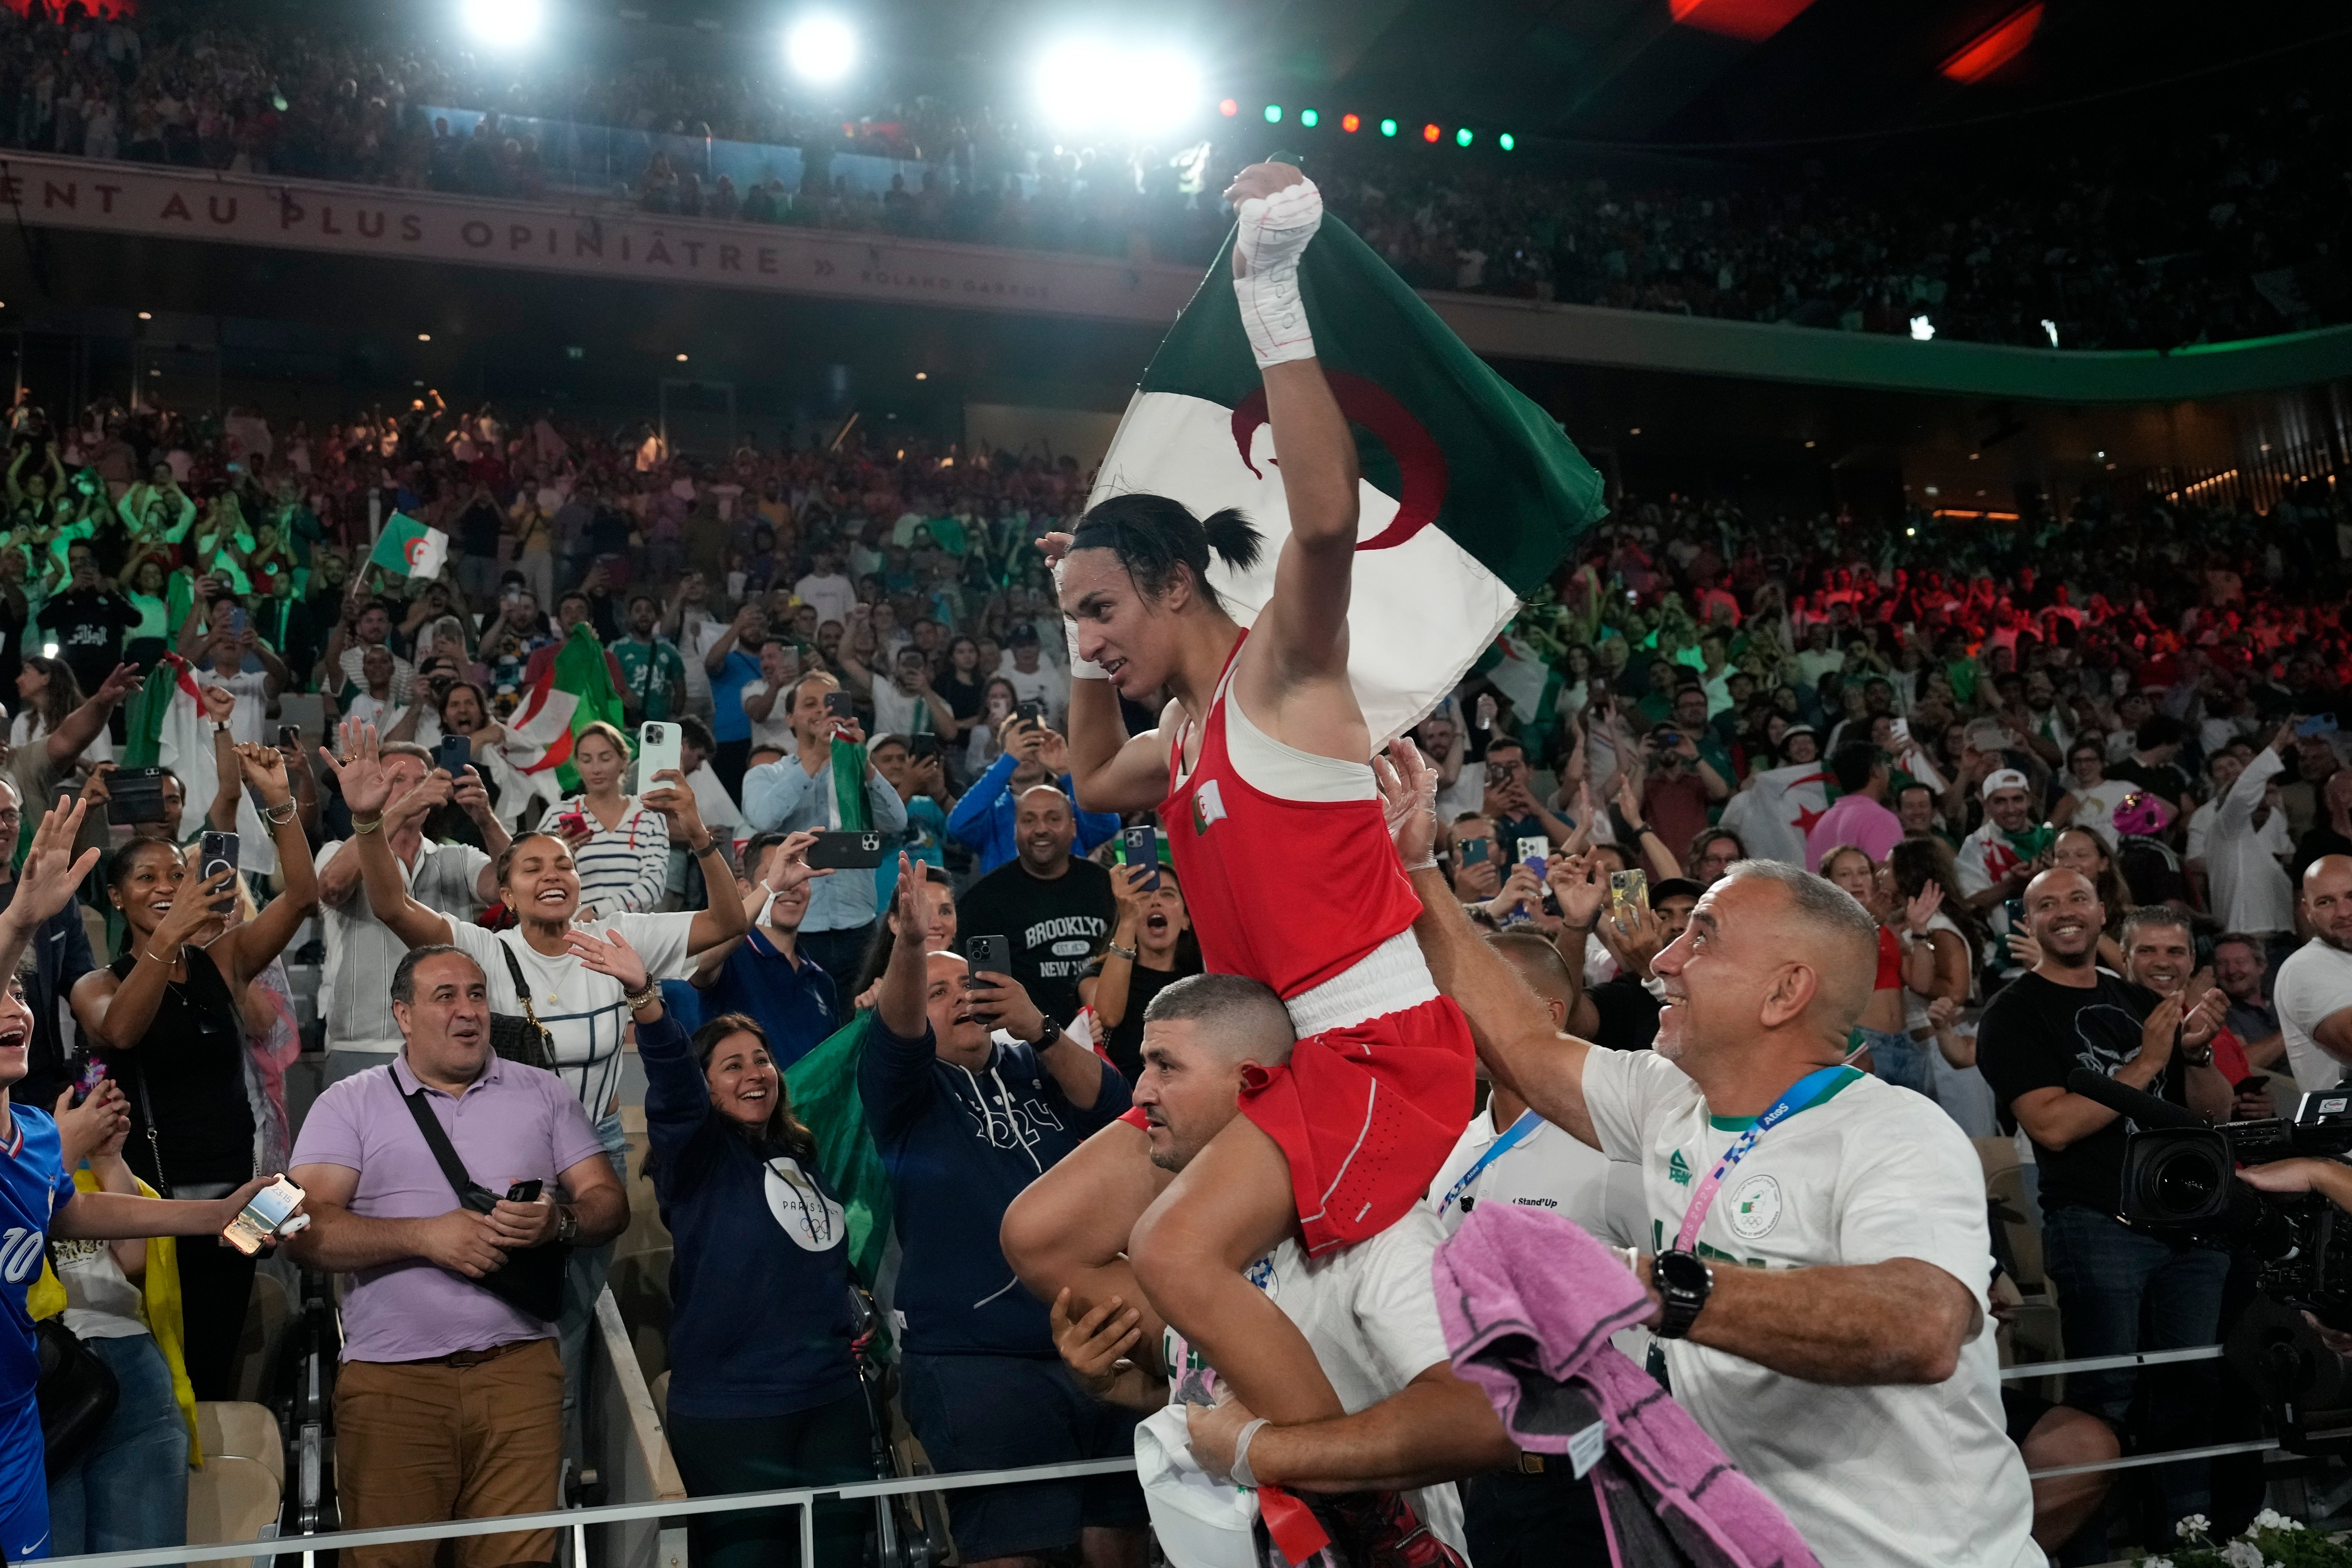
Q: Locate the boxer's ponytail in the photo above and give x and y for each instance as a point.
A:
(1152, 535)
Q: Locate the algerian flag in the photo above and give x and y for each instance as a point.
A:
(847, 810)
(574, 691)
(167, 727)
(1777, 809)
(823, 1088)
(1471, 494)
(409, 548)
(1519, 673)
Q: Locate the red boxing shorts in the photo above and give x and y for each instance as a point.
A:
(1366, 1114)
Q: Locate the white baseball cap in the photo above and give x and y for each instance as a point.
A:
(2004, 778)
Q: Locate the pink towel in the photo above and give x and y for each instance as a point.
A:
(1529, 1301)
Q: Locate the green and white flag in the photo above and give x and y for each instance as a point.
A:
(1521, 674)
(1471, 493)
(409, 548)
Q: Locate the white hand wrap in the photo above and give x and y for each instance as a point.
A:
(1080, 668)
(1273, 234)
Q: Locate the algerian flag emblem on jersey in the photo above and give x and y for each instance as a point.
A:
(1208, 807)
(1471, 494)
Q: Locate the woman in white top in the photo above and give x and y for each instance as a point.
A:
(538, 880)
(984, 744)
(2091, 795)
(620, 847)
(46, 692)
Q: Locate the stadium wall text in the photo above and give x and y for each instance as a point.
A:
(144, 201)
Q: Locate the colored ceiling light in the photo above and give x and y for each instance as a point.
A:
(1228, 107)
(1751, 21)
(1462, 137)
(1274, 114)
(1428, 134)
(1350, 123)
(1996, 46)
(1309, 118)
(1507, 141)
(1387, 127)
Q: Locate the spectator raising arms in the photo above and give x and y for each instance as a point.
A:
(165, 1016)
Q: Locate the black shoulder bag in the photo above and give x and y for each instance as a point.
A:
(523, 1039)
(531, 1280)
(77, 1395)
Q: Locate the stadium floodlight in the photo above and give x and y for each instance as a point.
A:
(1387, 127)
(1274, 114)
(1088, 84)
(505, 24)
(1462, 137)
(1309, 118)
(820, 48)
(1507, 141)
(1922, 329)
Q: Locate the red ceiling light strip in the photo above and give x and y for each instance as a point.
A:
(1752, 21)
(1996, 46)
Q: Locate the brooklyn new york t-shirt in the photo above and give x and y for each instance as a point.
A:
(1050, 928)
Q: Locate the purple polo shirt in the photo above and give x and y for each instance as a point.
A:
(515, 1123)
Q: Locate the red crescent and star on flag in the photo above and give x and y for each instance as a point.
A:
(1420, 462)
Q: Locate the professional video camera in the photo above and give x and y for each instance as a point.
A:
(2180, 1179)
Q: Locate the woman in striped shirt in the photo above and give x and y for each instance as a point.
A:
(620, 847)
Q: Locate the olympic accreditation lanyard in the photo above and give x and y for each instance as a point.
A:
(1810, 1090)
(1518, 1132)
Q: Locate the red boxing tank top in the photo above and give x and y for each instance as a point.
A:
(1289, 892)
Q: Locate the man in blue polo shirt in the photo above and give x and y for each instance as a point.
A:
(762, 974)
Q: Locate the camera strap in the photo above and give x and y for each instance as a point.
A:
(1517, 1134)
(1810, 1090)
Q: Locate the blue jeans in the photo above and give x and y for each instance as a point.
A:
(1901, 1061)
(583, 1281)
(2120, 1292)
(130, 1491)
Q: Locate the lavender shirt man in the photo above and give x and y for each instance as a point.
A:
(449, 1403)
(1859, 816)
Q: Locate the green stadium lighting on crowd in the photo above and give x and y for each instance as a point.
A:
(1507, 141)
(1387, 127)
(1274, 114)
(1462, 138)
(1309, 118)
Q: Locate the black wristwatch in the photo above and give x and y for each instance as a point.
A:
(1686, 1283)
(1053, 1032)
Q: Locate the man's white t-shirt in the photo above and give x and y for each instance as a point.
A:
(776, 729)
(1370, 1314)
(584, 1011)
(1888, 1475)
(2315, 981)
(834, 596)
(1550, 1169)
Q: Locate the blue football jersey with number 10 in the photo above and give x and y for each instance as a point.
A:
(33, 1187)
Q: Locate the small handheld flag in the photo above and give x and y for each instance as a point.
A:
(409, 548)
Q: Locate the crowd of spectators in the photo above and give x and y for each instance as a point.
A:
(2220, 228)
(2022, 747)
